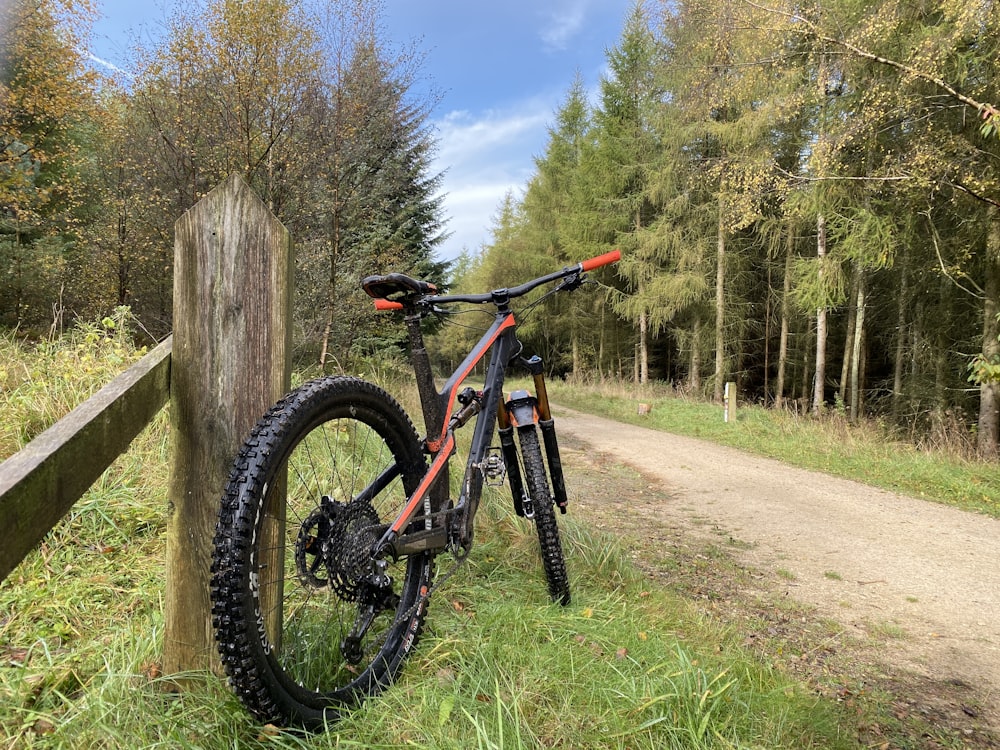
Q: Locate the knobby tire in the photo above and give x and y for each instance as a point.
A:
(291, 570)
(537, 484)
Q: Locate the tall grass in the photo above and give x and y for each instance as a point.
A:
(627, 665)
(41, 382)
(866, 451)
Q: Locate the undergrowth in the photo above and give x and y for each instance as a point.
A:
(43, 381)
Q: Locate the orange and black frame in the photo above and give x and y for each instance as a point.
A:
(319, 594)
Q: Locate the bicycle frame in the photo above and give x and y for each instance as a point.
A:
(500, 342)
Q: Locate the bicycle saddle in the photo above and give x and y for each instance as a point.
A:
(381, 287)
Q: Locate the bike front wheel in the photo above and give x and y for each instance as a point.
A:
(307, 623)
(537, 484)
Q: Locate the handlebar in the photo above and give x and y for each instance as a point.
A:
(601, 260)
(498, 295)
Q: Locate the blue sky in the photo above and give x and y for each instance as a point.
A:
(503, 68)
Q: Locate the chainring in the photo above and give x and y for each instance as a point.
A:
(310, 543)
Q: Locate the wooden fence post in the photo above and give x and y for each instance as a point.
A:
(729, 403)
(231, 354)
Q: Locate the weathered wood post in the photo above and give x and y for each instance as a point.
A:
(231, 353)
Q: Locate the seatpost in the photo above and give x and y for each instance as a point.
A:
(429, 401)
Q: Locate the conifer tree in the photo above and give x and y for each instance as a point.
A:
(626, 152)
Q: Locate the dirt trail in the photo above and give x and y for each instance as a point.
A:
(867, 558)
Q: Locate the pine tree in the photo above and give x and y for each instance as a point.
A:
(626, 152)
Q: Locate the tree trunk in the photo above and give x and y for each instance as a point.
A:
(720, 309)
(768, 314)
(332, 291)
(859, 331)
(786, 291)
(694, 375)
(989, 393)
(806, 365)
(600, 344)
(643, 348)
(852, 316)
(819, 381)
(901, 336)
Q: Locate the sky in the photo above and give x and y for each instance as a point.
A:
(503, 68)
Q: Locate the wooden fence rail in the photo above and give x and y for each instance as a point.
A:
(226, 363)
(39, 484)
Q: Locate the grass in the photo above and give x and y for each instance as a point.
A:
(500, 667)
(864, 451)
(41, 383)
(627, 665)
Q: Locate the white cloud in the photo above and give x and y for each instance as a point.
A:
(563, 24)
(462, 136)
(484, 157)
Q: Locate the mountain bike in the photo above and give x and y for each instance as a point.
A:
(335, 510)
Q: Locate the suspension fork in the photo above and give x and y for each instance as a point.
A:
(509, 451)
(540, 412)
(548, 426)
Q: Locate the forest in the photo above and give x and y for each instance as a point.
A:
(807, 197)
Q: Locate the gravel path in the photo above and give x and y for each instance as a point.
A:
(871, 559)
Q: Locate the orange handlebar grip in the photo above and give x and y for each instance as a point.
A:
(601, 260)
(384, 304)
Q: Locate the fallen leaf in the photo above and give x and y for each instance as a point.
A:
(268, 730)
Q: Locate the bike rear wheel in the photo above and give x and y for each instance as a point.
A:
(537, 485)
(306, 623)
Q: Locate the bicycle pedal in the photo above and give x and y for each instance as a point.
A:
(493, 467)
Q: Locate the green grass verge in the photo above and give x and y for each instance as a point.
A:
(627, 665)
(862, 451)
(624, 666)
